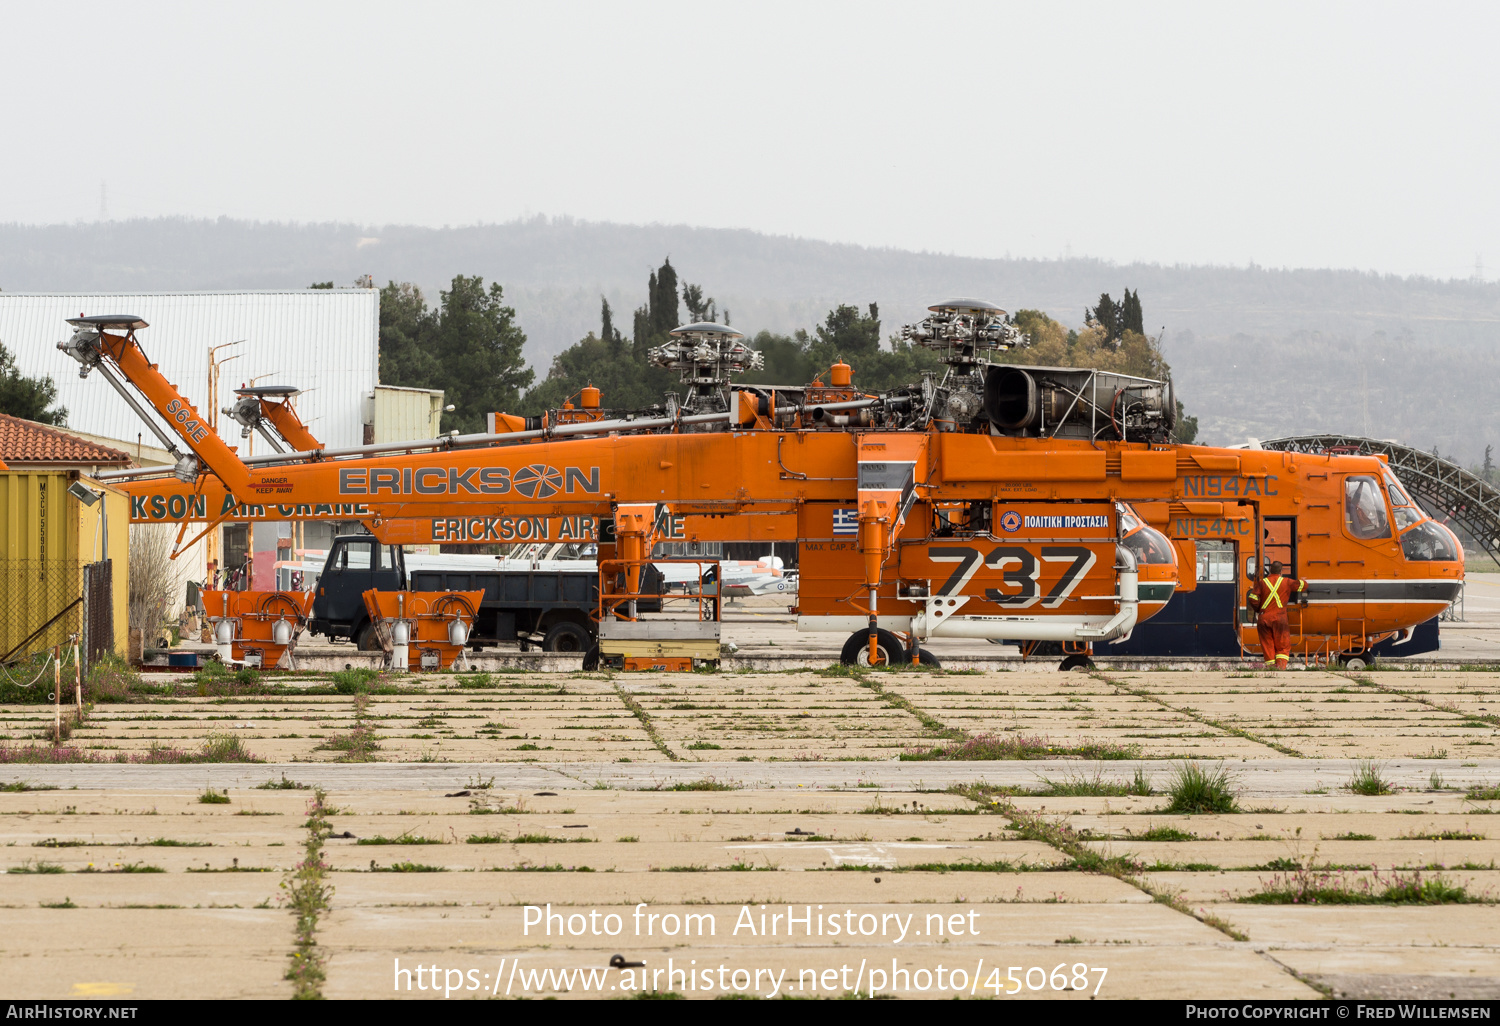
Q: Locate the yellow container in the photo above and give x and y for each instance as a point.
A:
(47, 534)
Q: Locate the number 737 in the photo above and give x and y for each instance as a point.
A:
(1019, 569)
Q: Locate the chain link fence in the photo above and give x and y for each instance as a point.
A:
(98, 610)
(41, 605)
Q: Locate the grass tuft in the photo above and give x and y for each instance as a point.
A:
(355, 681)
(282, 785)
(212, 797)
(1367, 779)
(1195, 789)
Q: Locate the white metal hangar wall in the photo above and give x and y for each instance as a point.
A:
(323, 341)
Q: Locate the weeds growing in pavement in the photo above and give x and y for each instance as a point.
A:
(59, 730)
(706, 784)
(282, 785)
(359, 744)
(216, 679)
(36, 867)
(1141, 784)
(996, 747)
(640, 713)
(1165, 833)
(308, 895)
(406, 838)
(353, 682)
(212, 797)
(1367, 779)
(223, 748)
(1083, 785)
(930, 723)
(1309, 884)
(1444, 835)
(407, 867)
(1195, 789)
(1484, 793)
(1059, 835)
(21, 785)
(216, 748)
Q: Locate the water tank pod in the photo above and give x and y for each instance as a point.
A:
(224, 640)
(458, 632)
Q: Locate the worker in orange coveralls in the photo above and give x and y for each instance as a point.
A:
(1269, 598)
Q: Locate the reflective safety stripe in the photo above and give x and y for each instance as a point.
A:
(1273, 593)
(1279, 657)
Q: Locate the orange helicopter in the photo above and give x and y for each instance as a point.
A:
(1040, 505)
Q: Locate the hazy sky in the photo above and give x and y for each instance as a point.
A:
(1306, 134)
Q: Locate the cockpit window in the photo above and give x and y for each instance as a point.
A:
(1427, 541)
(1364, 508)
(1397, 493)
(1406, 516)
(1150, 546)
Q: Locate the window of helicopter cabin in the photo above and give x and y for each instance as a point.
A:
(1406, 516)
(1150, 546)
(1427, 542)
(1397, 493)
(1364, 509)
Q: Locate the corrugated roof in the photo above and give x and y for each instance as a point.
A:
(323, 341)
(26, 441)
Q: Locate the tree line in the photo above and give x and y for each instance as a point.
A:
(1112, 339)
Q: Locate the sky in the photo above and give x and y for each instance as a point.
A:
(1351, 135)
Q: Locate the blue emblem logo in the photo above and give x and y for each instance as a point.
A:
(1011, 521)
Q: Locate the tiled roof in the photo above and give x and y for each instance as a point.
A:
(26, 441)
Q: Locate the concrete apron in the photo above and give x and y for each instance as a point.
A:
(1262, 778)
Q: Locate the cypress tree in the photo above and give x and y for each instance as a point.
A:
(1131, 317)
(664, 314)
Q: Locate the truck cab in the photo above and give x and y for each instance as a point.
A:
(356, 563)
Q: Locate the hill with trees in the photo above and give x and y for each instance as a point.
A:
(1256, 352)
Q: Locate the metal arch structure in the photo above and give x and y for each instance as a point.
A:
(1442, 484)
